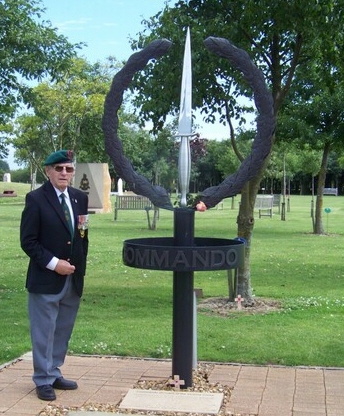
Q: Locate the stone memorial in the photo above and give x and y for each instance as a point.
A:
(7, 177)
(120, 187)
(94, 180)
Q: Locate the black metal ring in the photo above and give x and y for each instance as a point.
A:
(162, 254)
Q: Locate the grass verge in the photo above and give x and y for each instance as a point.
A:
(128, 311)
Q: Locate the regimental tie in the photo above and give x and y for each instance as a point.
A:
(66, 212)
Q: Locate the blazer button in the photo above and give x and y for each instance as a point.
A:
(69, 242)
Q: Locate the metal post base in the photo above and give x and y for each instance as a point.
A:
(183, 285)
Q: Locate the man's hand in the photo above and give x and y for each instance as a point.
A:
(64, 268)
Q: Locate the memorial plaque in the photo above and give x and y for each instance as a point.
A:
(94, 179)
(170, 401)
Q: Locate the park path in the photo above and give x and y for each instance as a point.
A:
(257, 390)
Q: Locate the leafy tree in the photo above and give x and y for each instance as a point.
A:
(5, 132)
(67, 114)
(334, 169)
(166, 156)
(65, 104)
(335, 172)
(304, 157)
(207, 171)
(4, 166)
(341, 161)
(277, 35)
(198, 149)
(30, 141)
(317, 114)
(291, 158)
(30, 49)
(23, 175)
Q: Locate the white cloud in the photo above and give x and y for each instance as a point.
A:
(83, 24)
(110, 24)
(78, 24)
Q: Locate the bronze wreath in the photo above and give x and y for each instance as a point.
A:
(250, 166)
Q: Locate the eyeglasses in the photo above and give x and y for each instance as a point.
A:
(59, 168)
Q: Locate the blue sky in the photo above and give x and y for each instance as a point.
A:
(105, 26)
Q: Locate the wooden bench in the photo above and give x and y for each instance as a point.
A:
(277, 202)
(331, 191)
(264, 204)
(136, 203)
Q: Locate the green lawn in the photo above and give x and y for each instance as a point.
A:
(128, 311)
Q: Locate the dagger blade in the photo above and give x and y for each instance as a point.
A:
(185, 122)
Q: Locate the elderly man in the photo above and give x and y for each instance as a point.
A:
(53, 234)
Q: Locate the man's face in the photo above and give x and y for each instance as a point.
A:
(60, 174)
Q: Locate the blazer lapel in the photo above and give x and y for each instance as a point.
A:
(75, 207)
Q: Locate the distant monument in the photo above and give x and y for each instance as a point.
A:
(94, 180)
(120, 186)
(7, 177)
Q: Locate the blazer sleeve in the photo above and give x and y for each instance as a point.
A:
(29, 233)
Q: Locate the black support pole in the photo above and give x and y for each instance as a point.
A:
(183, 284)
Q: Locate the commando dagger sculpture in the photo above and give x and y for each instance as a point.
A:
(183, 253)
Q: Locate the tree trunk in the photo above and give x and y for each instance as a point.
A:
(318, 227)
(155, 216)
(33, 175)
(245, 222)
(283, 185)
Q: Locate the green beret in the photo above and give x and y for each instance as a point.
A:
(61, 156)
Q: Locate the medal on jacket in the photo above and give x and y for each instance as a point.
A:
(83, 224)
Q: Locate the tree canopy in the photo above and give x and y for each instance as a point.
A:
(30, 49)
(4, 166)
(277, 35)
(66, 114)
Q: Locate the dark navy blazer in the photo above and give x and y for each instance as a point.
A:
(44, 233)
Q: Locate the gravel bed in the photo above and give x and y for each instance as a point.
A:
(224, 308)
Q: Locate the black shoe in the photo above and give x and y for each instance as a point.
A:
(63, 384)
(46, 392)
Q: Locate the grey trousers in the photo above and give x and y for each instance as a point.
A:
(52, 320)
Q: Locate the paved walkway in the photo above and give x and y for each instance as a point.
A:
(262, 391)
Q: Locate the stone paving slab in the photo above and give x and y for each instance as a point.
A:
(169, 401)
(257, 390)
